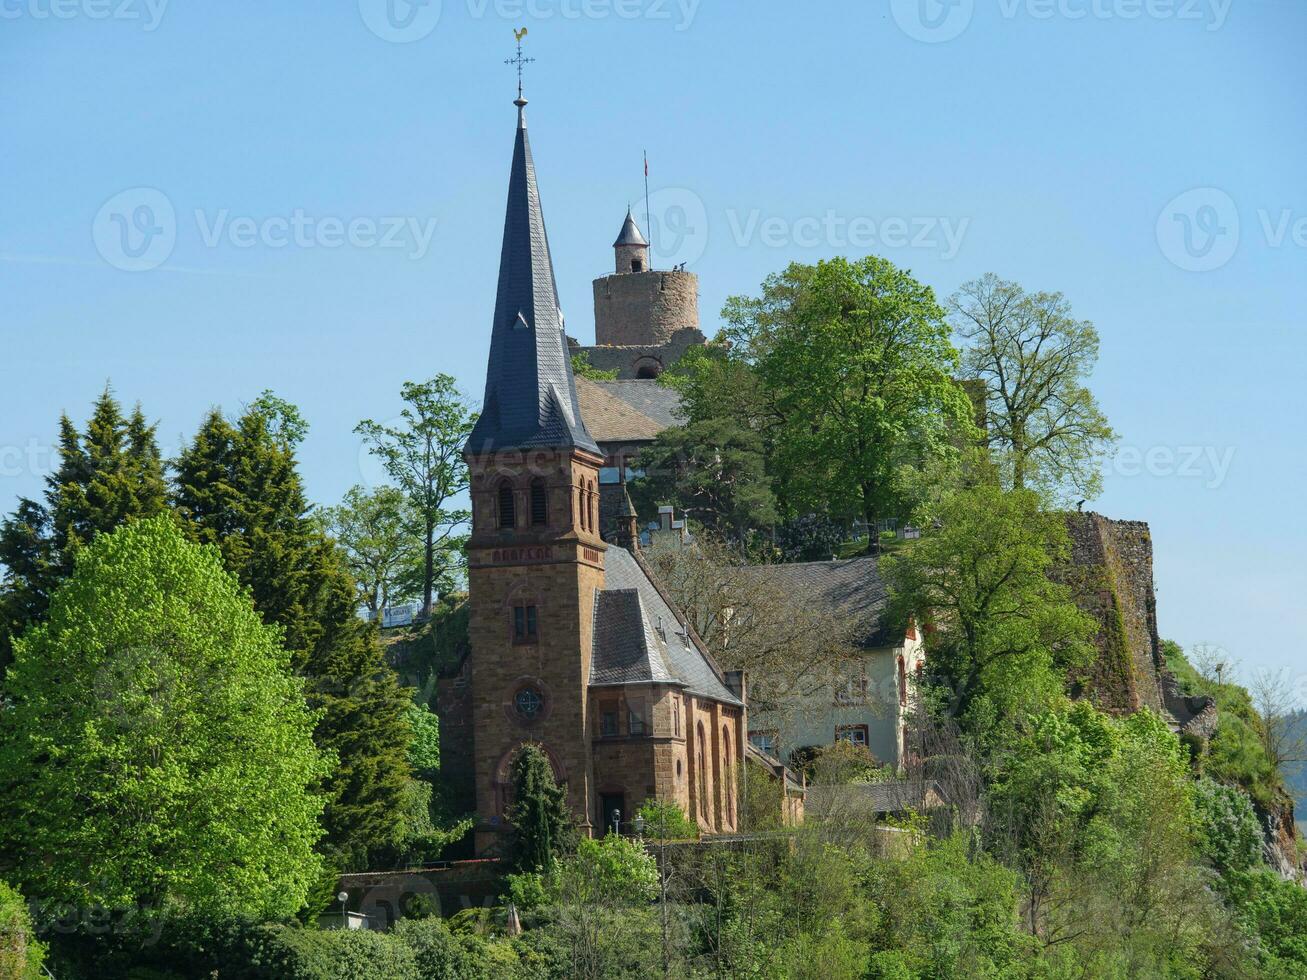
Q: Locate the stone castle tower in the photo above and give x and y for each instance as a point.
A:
(535, 557)
(644, 318)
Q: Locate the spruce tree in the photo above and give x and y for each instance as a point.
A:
(237, 487)
(108, 475)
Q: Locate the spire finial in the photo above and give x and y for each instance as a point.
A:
(519, 62)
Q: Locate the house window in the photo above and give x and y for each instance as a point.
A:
(852, 691)
(582, 510)
(856, 734)
(637, 265)
(539, 504)
(525, 624)
(676, 716)
(903, 683)
(634, 721)
(764, 742)
(608, 722)
(507, 506)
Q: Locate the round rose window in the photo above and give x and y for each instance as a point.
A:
(527, 703)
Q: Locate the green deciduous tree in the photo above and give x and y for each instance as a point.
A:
(714, 471)
(542, 821)
(423, 454)
(1043, 425)
(238, 488)
(1002, 634)
(381, 541)
(158, 750)
(858, 368)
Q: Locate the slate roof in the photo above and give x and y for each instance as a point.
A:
(530, 398)
(610, 418)
(630, 233)
(628, 648)
(852, 588)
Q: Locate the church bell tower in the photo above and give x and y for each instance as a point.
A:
(535, 556)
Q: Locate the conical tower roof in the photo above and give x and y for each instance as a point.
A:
(530, 399)
(630, 233)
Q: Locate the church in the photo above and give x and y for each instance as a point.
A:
(574, 646)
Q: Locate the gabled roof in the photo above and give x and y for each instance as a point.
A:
(628, 643)
(851, 588)
(530, 399)
(649, 397)
(611, 419)
(630, 233)
(627, 411)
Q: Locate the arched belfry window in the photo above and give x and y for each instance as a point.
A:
(539, 503)
(507, 505)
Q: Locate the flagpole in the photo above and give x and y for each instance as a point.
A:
(648, 223)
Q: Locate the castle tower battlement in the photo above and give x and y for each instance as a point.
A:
(644, 318)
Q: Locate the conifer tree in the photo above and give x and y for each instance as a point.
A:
(542, 822)
(107, 475)
(237, 487)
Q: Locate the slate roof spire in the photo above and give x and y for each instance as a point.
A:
(530, 400)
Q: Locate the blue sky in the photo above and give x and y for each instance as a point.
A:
(1145, 157)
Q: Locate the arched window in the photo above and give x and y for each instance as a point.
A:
(702, 766)
(539, 503)
(594, 507)
(582, 509)
(507, 506)
(727, 789)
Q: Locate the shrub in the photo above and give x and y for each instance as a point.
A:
(339, 954)
(666, 821)
(20, 954)
(611, 871)
(1229, 834)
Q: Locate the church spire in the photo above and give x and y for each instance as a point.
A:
(530, 399)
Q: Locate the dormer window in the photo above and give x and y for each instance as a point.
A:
(507, 505)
